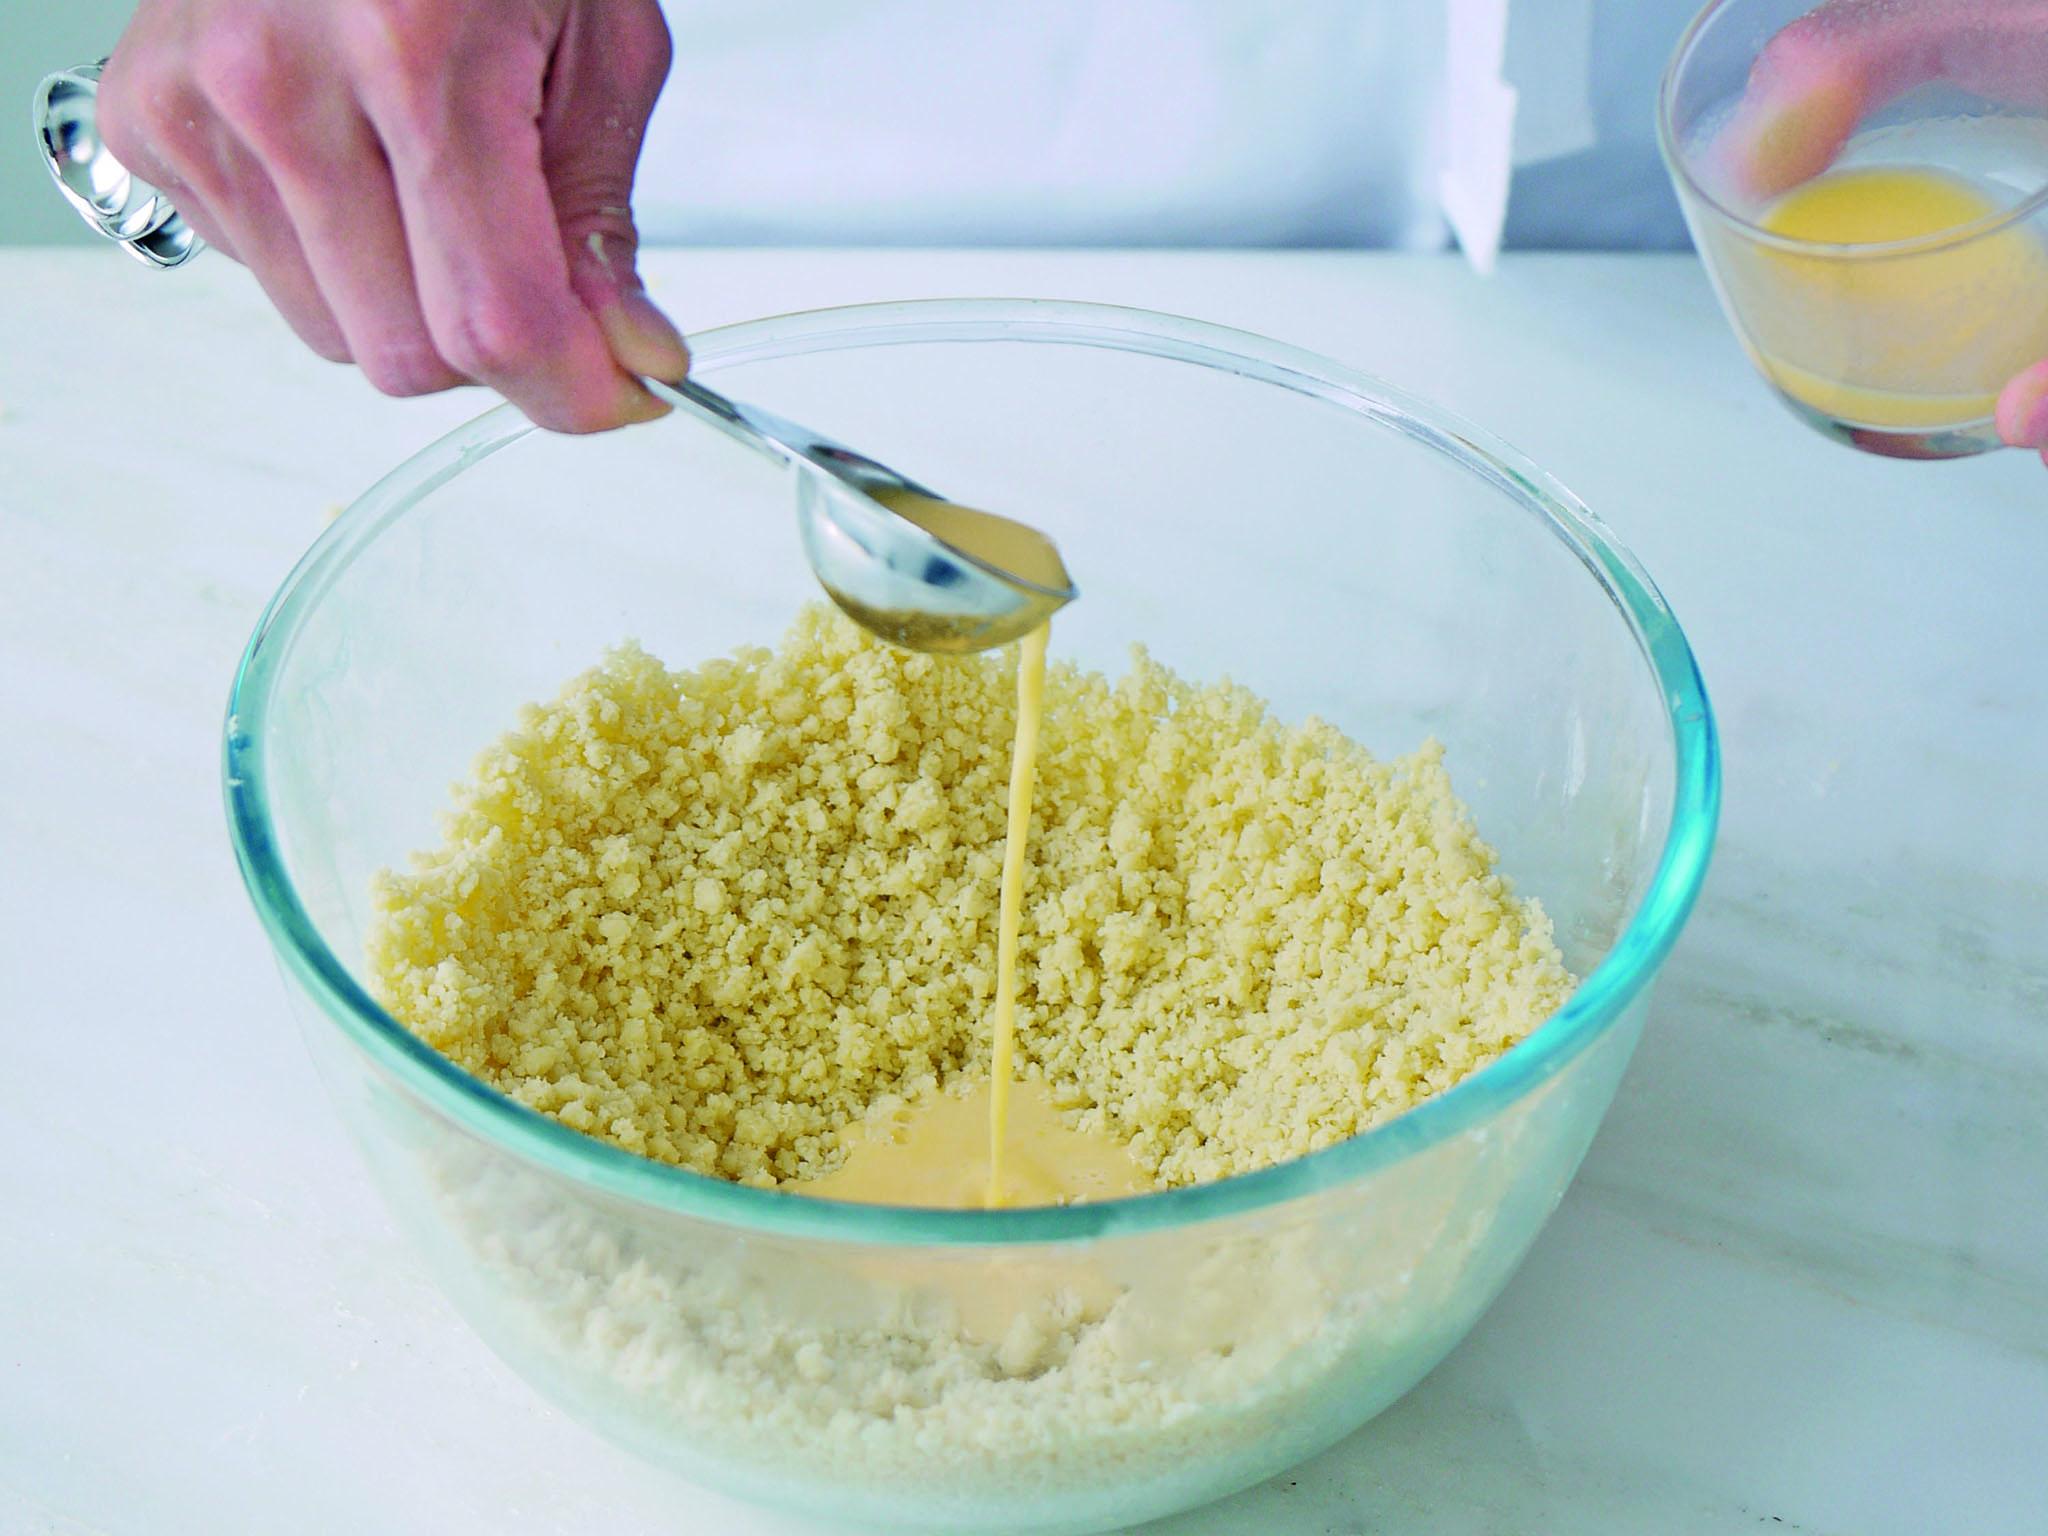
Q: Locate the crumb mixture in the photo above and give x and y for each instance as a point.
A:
(717, 916)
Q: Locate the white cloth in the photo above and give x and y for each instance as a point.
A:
(1149, 122)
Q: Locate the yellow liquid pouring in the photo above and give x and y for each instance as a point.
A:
(1920, 339)
(1023, 769)
(1004, 1143)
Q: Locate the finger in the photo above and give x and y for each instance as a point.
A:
(1819, 77)
(1799, 109)
(1995, 48)
(249, 220)
(334, 183)
(134, 113)
(164, 127)
(193, 209)
(2023, 409)
(1810, 86)
(486, 248)
(358, 254)
(608, 69)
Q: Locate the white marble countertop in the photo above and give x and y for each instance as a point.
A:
(1801, 1284)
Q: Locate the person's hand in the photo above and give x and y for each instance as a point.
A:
(1819, 77)
(436, 190)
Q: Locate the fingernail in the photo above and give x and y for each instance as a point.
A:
(2023, 409)
(642, 338)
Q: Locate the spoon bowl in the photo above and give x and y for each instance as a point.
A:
(916, 569)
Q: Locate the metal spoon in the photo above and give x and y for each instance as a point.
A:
(918, 570)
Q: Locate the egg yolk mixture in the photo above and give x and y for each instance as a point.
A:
(838, 917)
(1914, 339)
(999, 1143)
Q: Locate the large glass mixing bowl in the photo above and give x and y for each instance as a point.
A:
(1242, 508)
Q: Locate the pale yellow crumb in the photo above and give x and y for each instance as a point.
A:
(715, 915)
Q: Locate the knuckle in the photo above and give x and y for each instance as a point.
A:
(1821, 27)
(245, 71)
(651, 46)
(406, 366)
(494, 338)
(141, 112)
(314, 325)
(396, 35)
(1813, 45)
(319, 332)
(420, 70)
(404, 53)
(595, 200)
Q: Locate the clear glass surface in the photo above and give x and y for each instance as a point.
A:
(1897, 347)
(1238, 506)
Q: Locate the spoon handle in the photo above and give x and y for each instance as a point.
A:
(784, 440)
(122, 208)
(742, 425)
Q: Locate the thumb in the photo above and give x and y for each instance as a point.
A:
(643, 339)
(2023, 410)
(608, 67)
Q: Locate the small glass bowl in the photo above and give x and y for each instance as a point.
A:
(1897, 347)
(1240, 507)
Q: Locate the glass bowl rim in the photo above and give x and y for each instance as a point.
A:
(492, 1117)
(1678, 166)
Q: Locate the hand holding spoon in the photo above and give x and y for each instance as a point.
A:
(917, 570)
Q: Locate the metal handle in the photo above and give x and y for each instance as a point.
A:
(113, 203)
(785, 441)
